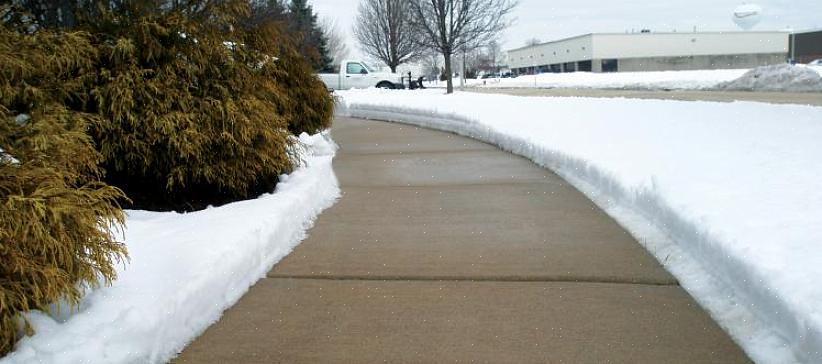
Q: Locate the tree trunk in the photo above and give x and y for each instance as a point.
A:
(448, 74)
(393, 68)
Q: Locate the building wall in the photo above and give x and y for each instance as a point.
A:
(568, 50)
(644, 45)
(806, 47)
(698, 62)
(654, 51)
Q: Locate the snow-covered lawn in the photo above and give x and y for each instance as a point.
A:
(663, 80)
(185, 270)
(726, 195)
(672, 80)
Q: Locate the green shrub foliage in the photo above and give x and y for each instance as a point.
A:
(190, 110)
(57, 220)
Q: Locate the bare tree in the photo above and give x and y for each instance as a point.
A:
(430, 62)
(337, 48)
(533, 42)
(449, 26)
(384, 31)
(494, 54)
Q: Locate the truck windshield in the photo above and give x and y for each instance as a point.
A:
(355, 68)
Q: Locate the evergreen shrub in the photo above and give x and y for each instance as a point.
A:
(190, 113)
(57, 219)
(309, 106)
(178, 107)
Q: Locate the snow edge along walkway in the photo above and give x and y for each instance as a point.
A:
(185, 270)
(767, 331)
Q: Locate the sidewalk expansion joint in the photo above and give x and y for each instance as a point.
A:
(352, 153)
(500, 279)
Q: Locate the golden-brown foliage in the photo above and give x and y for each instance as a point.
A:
(56, 218)
(191, 113)
(184, 107)
(309, 106)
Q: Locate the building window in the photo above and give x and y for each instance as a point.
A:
(584, 66)
(610, 65)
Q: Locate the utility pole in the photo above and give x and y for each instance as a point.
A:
(462, 77)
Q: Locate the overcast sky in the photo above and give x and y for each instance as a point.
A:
(550, 20)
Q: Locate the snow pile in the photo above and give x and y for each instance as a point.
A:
(185, 270)
(780, 77)
(662, 80)
(783, 77)
(8, 158)
(726, 195)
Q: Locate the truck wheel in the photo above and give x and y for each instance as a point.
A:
(385, 85)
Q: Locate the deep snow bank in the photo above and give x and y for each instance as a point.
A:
(185, 270)
(725, 195)
(780, 77)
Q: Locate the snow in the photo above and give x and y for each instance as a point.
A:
(662, 80)
(7, 158)
(781, 77)
(185, 270)
(725, 195)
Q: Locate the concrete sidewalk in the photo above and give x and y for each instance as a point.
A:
(444, 249)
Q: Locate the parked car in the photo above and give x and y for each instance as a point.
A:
(357, 74)
(816, 62)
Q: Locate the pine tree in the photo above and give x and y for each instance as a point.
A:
(313, 44)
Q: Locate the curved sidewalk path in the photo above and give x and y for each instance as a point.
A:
(444, 249)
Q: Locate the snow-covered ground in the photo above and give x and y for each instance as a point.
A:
(780, 79)
(725, 195)
(666, 80)
(185, 270)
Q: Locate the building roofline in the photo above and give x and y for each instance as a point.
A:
(662, 33)
(806, 31)
(553, 41)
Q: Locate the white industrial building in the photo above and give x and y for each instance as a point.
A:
(632, 52)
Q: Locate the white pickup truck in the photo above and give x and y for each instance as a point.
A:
(357, 74)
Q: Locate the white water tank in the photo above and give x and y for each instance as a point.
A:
(747, 16)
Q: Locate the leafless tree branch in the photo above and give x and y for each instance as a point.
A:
(452, 26)
(385, 32)
(337, 48)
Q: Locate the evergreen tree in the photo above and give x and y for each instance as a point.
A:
(312, 41)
